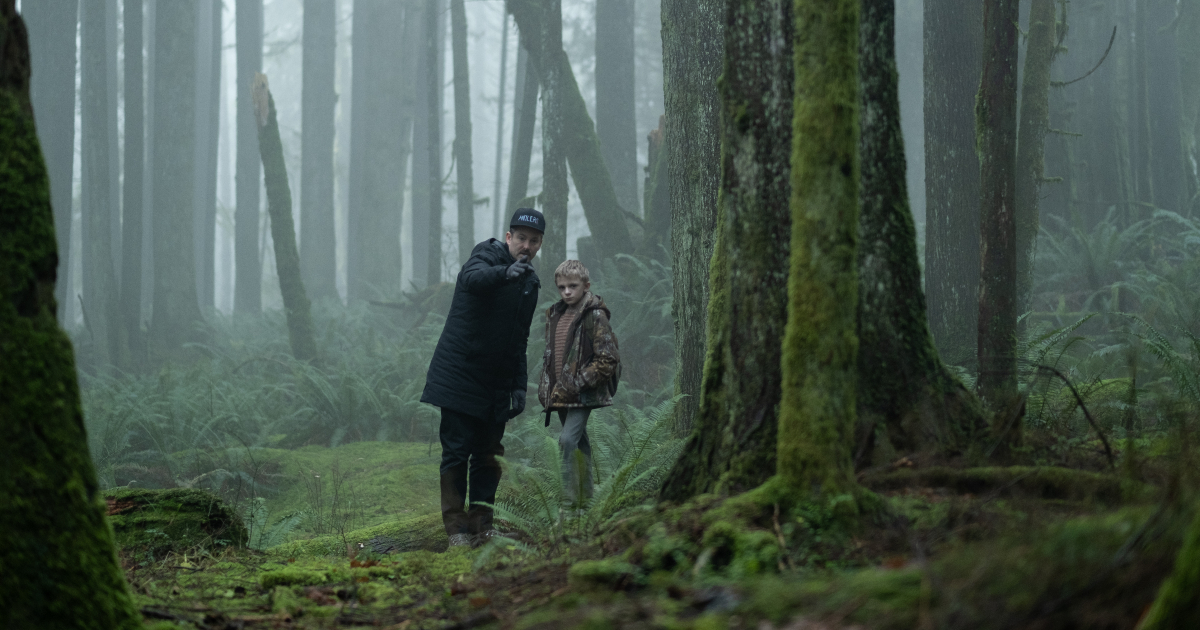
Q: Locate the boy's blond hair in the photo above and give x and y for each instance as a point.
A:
(572, 269)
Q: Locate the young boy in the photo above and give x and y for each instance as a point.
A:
(579, 370)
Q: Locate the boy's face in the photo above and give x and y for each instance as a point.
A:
(572, 289)
(523, 241)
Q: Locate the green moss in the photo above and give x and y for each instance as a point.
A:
(1045, 482)
(412, 534)
(609, 573)
(152, 523)
(291, 577)
(1176, 605)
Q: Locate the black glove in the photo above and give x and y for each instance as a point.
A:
(518, 403)
(518, 269)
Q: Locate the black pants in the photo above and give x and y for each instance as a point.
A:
(469, 449)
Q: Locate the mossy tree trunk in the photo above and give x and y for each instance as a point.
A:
(732, 448)
(247, 297)
(555, 189)
(1176, 605)
(318, 104)
(134, 184)
(907, 391)
(657, 196)
(996, 120)
(283, 232)
(1031, 140)
(604, 214)
(176, 308)
(820, 348)
(953, 50)
(463, 158)
(58, 566)
(693, 44)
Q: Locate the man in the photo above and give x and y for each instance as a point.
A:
(478, 375)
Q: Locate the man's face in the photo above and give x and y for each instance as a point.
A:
(572, 290)
(523, 241)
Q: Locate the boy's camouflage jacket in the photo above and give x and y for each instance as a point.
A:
(583, 382)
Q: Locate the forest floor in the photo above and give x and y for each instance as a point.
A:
(1018, 547)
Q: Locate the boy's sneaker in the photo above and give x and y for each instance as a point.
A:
(460, 540)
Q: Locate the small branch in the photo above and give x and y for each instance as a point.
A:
(1086, 413)
(1095, 68)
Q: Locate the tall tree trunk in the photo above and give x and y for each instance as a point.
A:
(99, 180)
(433, 149)
(524, 120)
(208, 120)
(996, 114)
(283, 231)
(60, 565)
(176, 310)
(693, 42)
(604, 214)
(247, 297)
(953, 50)
(135, 180)
(52, 26)
(820, 349)
(1189, 81)
(1031, 141)
(732, 448)
(1164, 101)
(497, 206)
(912, 395)
(555, 190)
(463, 158)
(657, 195)
(318, 100)
(383, 73)
(616, 119)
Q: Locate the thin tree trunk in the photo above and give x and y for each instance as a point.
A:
(383, 74)
(208, 119)
(733, 443)
(433, 121)
(524, 121)
(820, 351)
(555, 190)
(60, 565)
(176, 310)
(497, 207)
(953, 50)
(604, 214)
(463, 158)
(1031, 141)
(693, 43)
(616, 119)
(318, 100)
(248, 282)
(99, 179)
(283, 232)
(657, 193)
(912, 396)
(996, 113)
(135, 171)
(1189, 80)
(52, 28)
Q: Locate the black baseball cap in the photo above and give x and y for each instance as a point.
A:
(530, 218)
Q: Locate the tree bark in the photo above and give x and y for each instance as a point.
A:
(657, 193)
(953, 50)
(52, 24)
(283, 232)
(248, 283)
(1031, 141)
(693, 44)
(318, 100)
(463, 157)
(1189, 81)
(98, 183)
(497, 207)
(996, 115)
(379, 161)
(732, 448)
(135, 172)
(912, 396)
(555, 189)
(820, 350)
(524, 121)
(208, 119)
(616, 120)
(60, 565)
(433, 149)
(605, 216)
(176, 309)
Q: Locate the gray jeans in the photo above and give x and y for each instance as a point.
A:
(576, 469)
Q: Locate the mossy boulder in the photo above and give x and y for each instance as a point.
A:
(158, 522)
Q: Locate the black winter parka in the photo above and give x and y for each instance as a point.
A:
(480, 357)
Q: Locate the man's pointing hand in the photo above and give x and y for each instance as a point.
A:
(518, 269)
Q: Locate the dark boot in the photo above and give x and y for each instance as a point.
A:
(454, 494)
